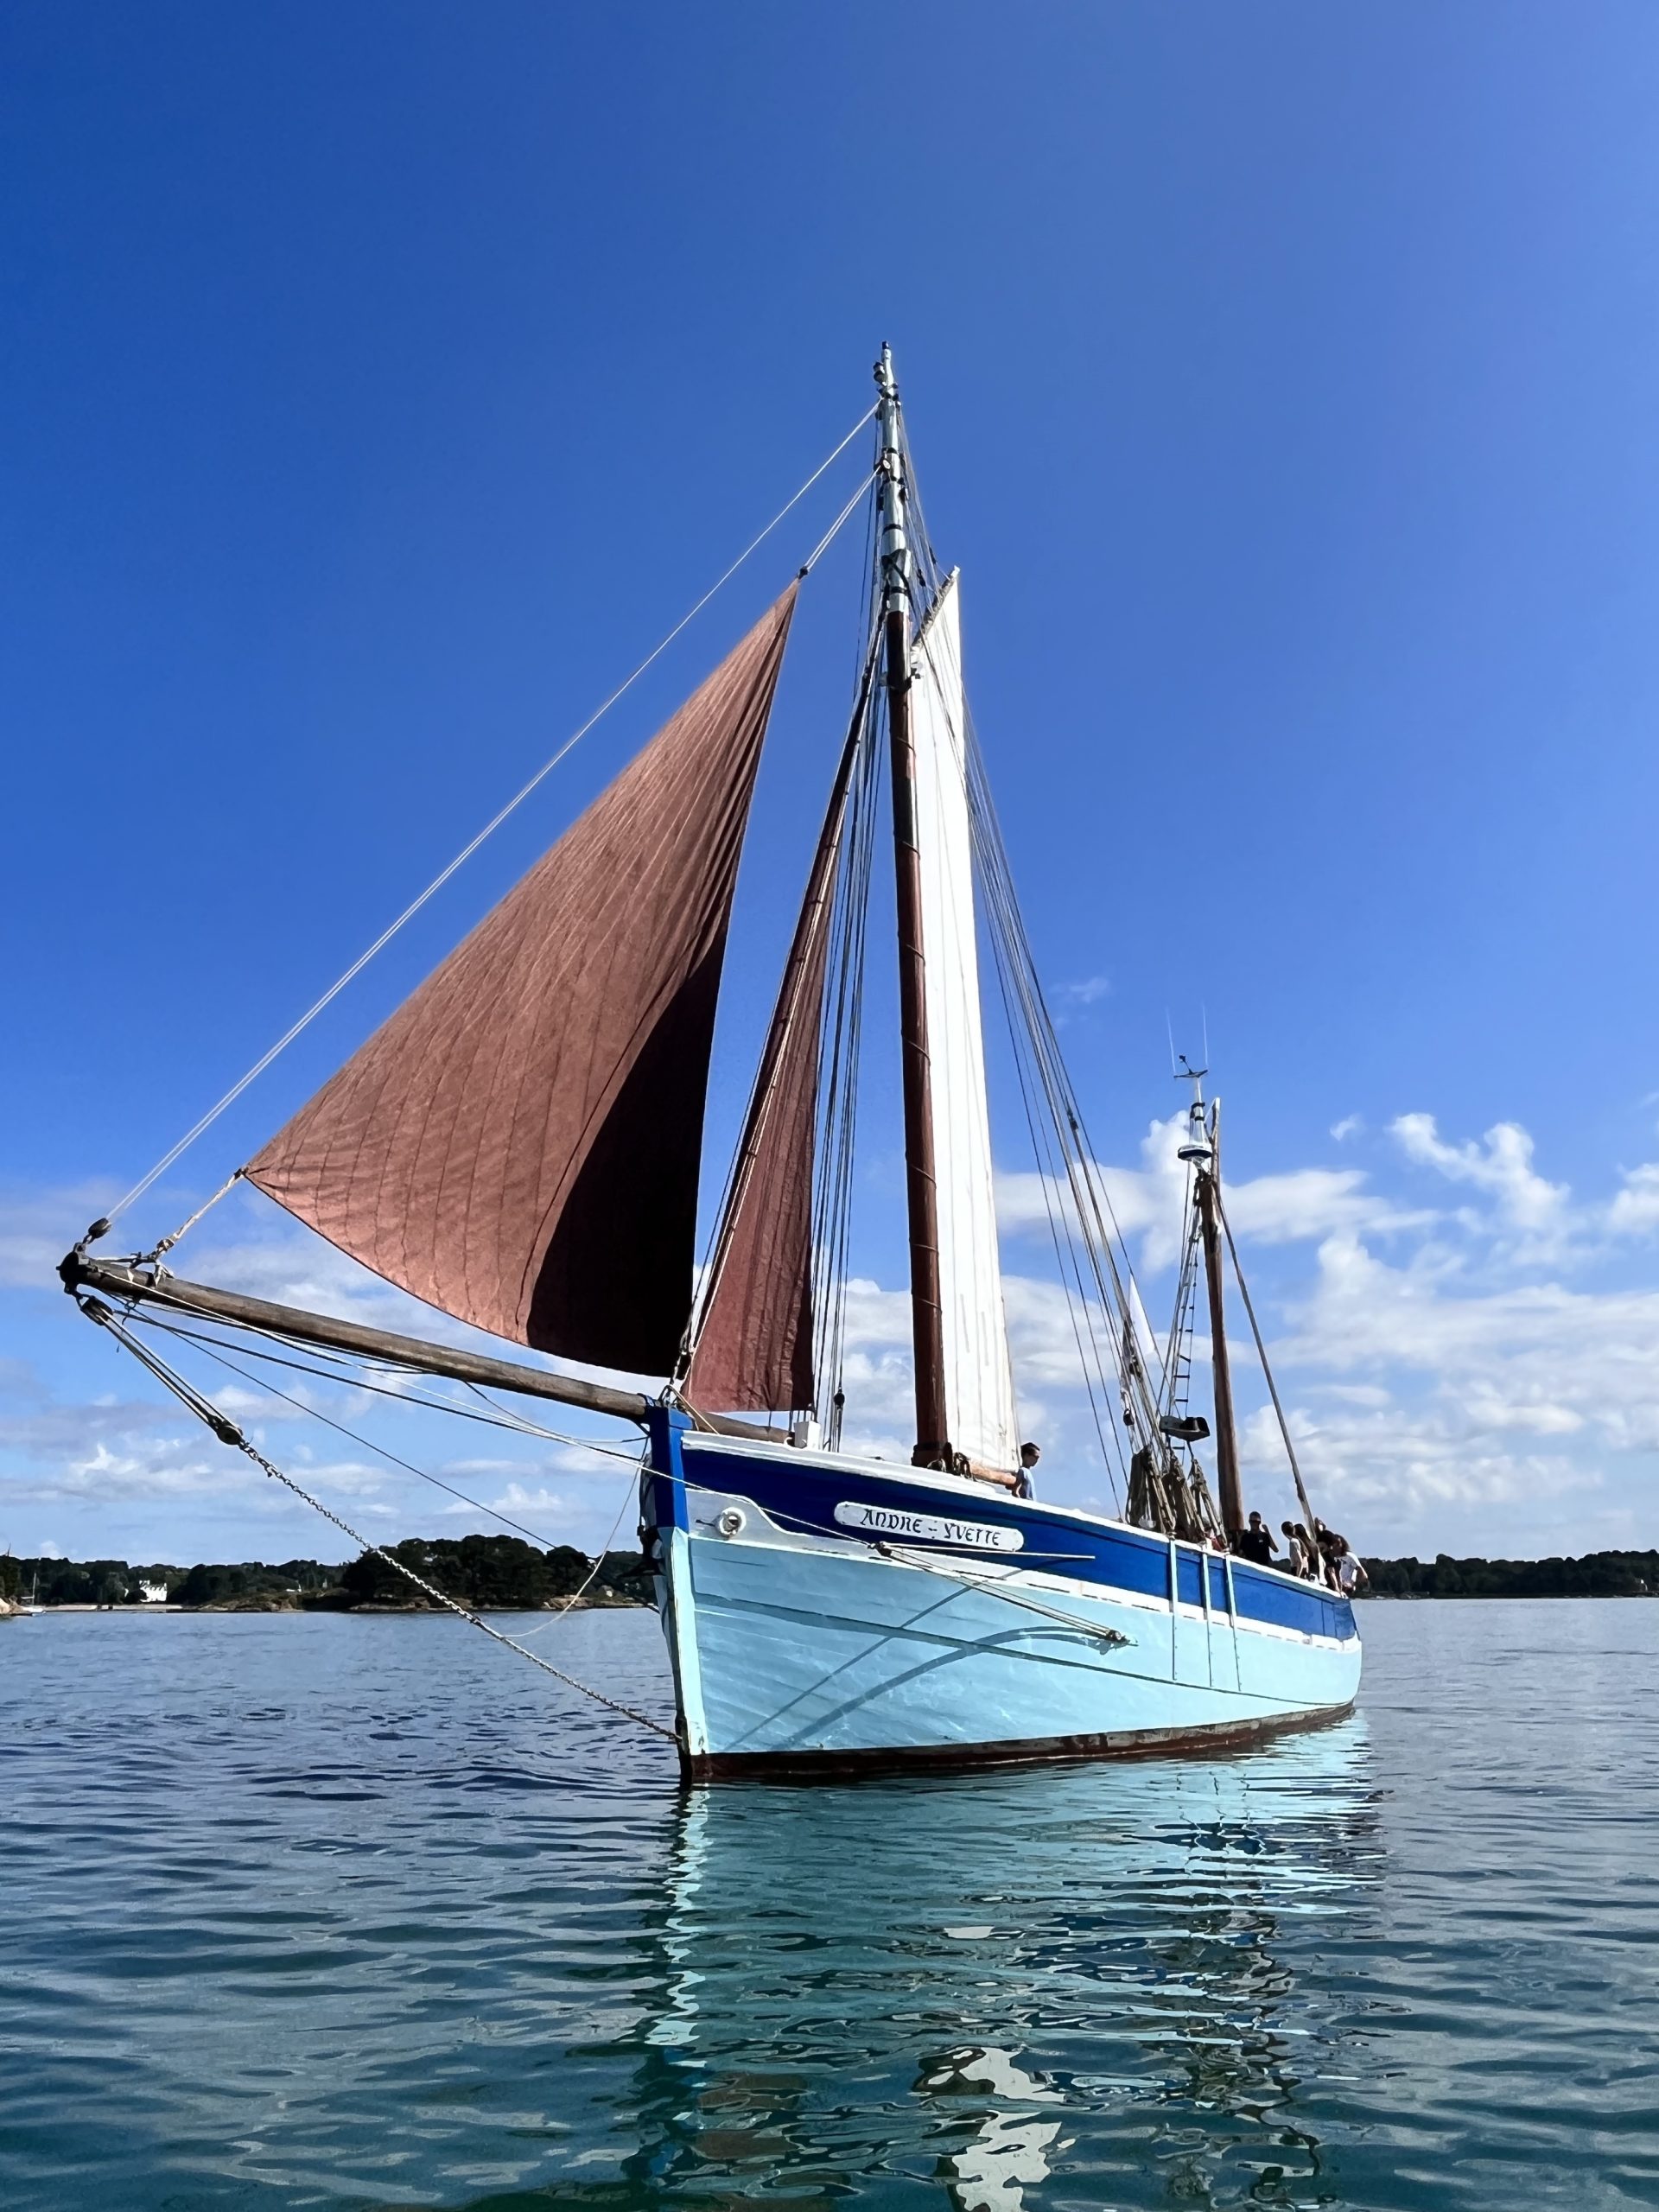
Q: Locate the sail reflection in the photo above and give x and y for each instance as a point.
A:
(985, 1982)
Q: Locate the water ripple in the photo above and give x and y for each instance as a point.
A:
(341, 1913)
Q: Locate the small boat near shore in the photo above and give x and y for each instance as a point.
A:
(22, 1609)
(520, 1145)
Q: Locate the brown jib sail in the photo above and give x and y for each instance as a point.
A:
(519, 1145)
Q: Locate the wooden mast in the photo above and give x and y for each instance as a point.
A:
(927, 1327)
(1227, 1482)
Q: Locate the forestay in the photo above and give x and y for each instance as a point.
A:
(519, 1143)
(978, 1378)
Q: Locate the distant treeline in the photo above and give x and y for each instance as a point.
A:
(480, 1572)
(1598, 1574)
(488, 1572)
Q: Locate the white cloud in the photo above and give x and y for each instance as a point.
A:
(247, 1408)
(355, 1479)
(1472, 1374)
(1532, 1222)
(120, 1451)
(1436, 1382)
(600, 1461)
(37, 1228)
(1635, 1210)
(1314, 1202)
(1149, 1202)
(290, 1265)
(1350, 1126)
(1499, 1163)
(534, 1508)
(876, 1318)
(1070, 999)
(106, 1473)
(1460, 1374)
(1386, 1470)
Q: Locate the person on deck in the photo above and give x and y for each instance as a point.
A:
(1255, 1541)
(1325, 1541)
(1029, 1455)
(1296, 1547)
(1350, 1569)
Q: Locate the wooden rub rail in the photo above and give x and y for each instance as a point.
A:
(119, 1278)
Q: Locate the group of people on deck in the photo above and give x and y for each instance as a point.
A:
(1323, 1557)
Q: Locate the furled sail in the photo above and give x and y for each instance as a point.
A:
(519, 1144)
(978, 1378)
(754, 1344)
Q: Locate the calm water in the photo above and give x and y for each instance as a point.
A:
(333, 1912)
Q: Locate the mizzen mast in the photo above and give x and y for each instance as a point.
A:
(894, 569)
(1203, 1152)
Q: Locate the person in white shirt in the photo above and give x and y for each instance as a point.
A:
(1350, 1573)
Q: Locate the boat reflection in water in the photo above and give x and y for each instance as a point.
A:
(1121, 1977)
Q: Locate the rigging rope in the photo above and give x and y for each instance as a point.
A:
(1096, 1231)
(160, 1250)
(982, 1580)
(228, 1432)
(366, 1443)
(1086, 1235)
(840, 1048)
(495, 1417)
(1064, 1244)
(592, 1576)
(487, 831)
(1262, 1354)
(833, 530)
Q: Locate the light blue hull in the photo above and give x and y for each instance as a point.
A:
(827, 1614)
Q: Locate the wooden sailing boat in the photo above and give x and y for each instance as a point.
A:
(519, 1145)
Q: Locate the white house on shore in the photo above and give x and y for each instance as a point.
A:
(153, 1594)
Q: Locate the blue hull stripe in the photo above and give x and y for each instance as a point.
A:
(801, 1494)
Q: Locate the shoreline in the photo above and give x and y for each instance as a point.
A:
(382, 1612)
(614, 1604)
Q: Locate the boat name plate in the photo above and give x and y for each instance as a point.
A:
(927, 1528)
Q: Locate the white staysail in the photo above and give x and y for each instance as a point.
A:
(978, 1379)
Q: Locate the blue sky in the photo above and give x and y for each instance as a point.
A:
(382, 383)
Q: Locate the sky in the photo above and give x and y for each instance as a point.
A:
(382, 384)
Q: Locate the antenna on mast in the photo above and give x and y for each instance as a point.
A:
(1198, 1150)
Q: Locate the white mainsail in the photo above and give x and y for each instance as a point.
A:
(978, 1378)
